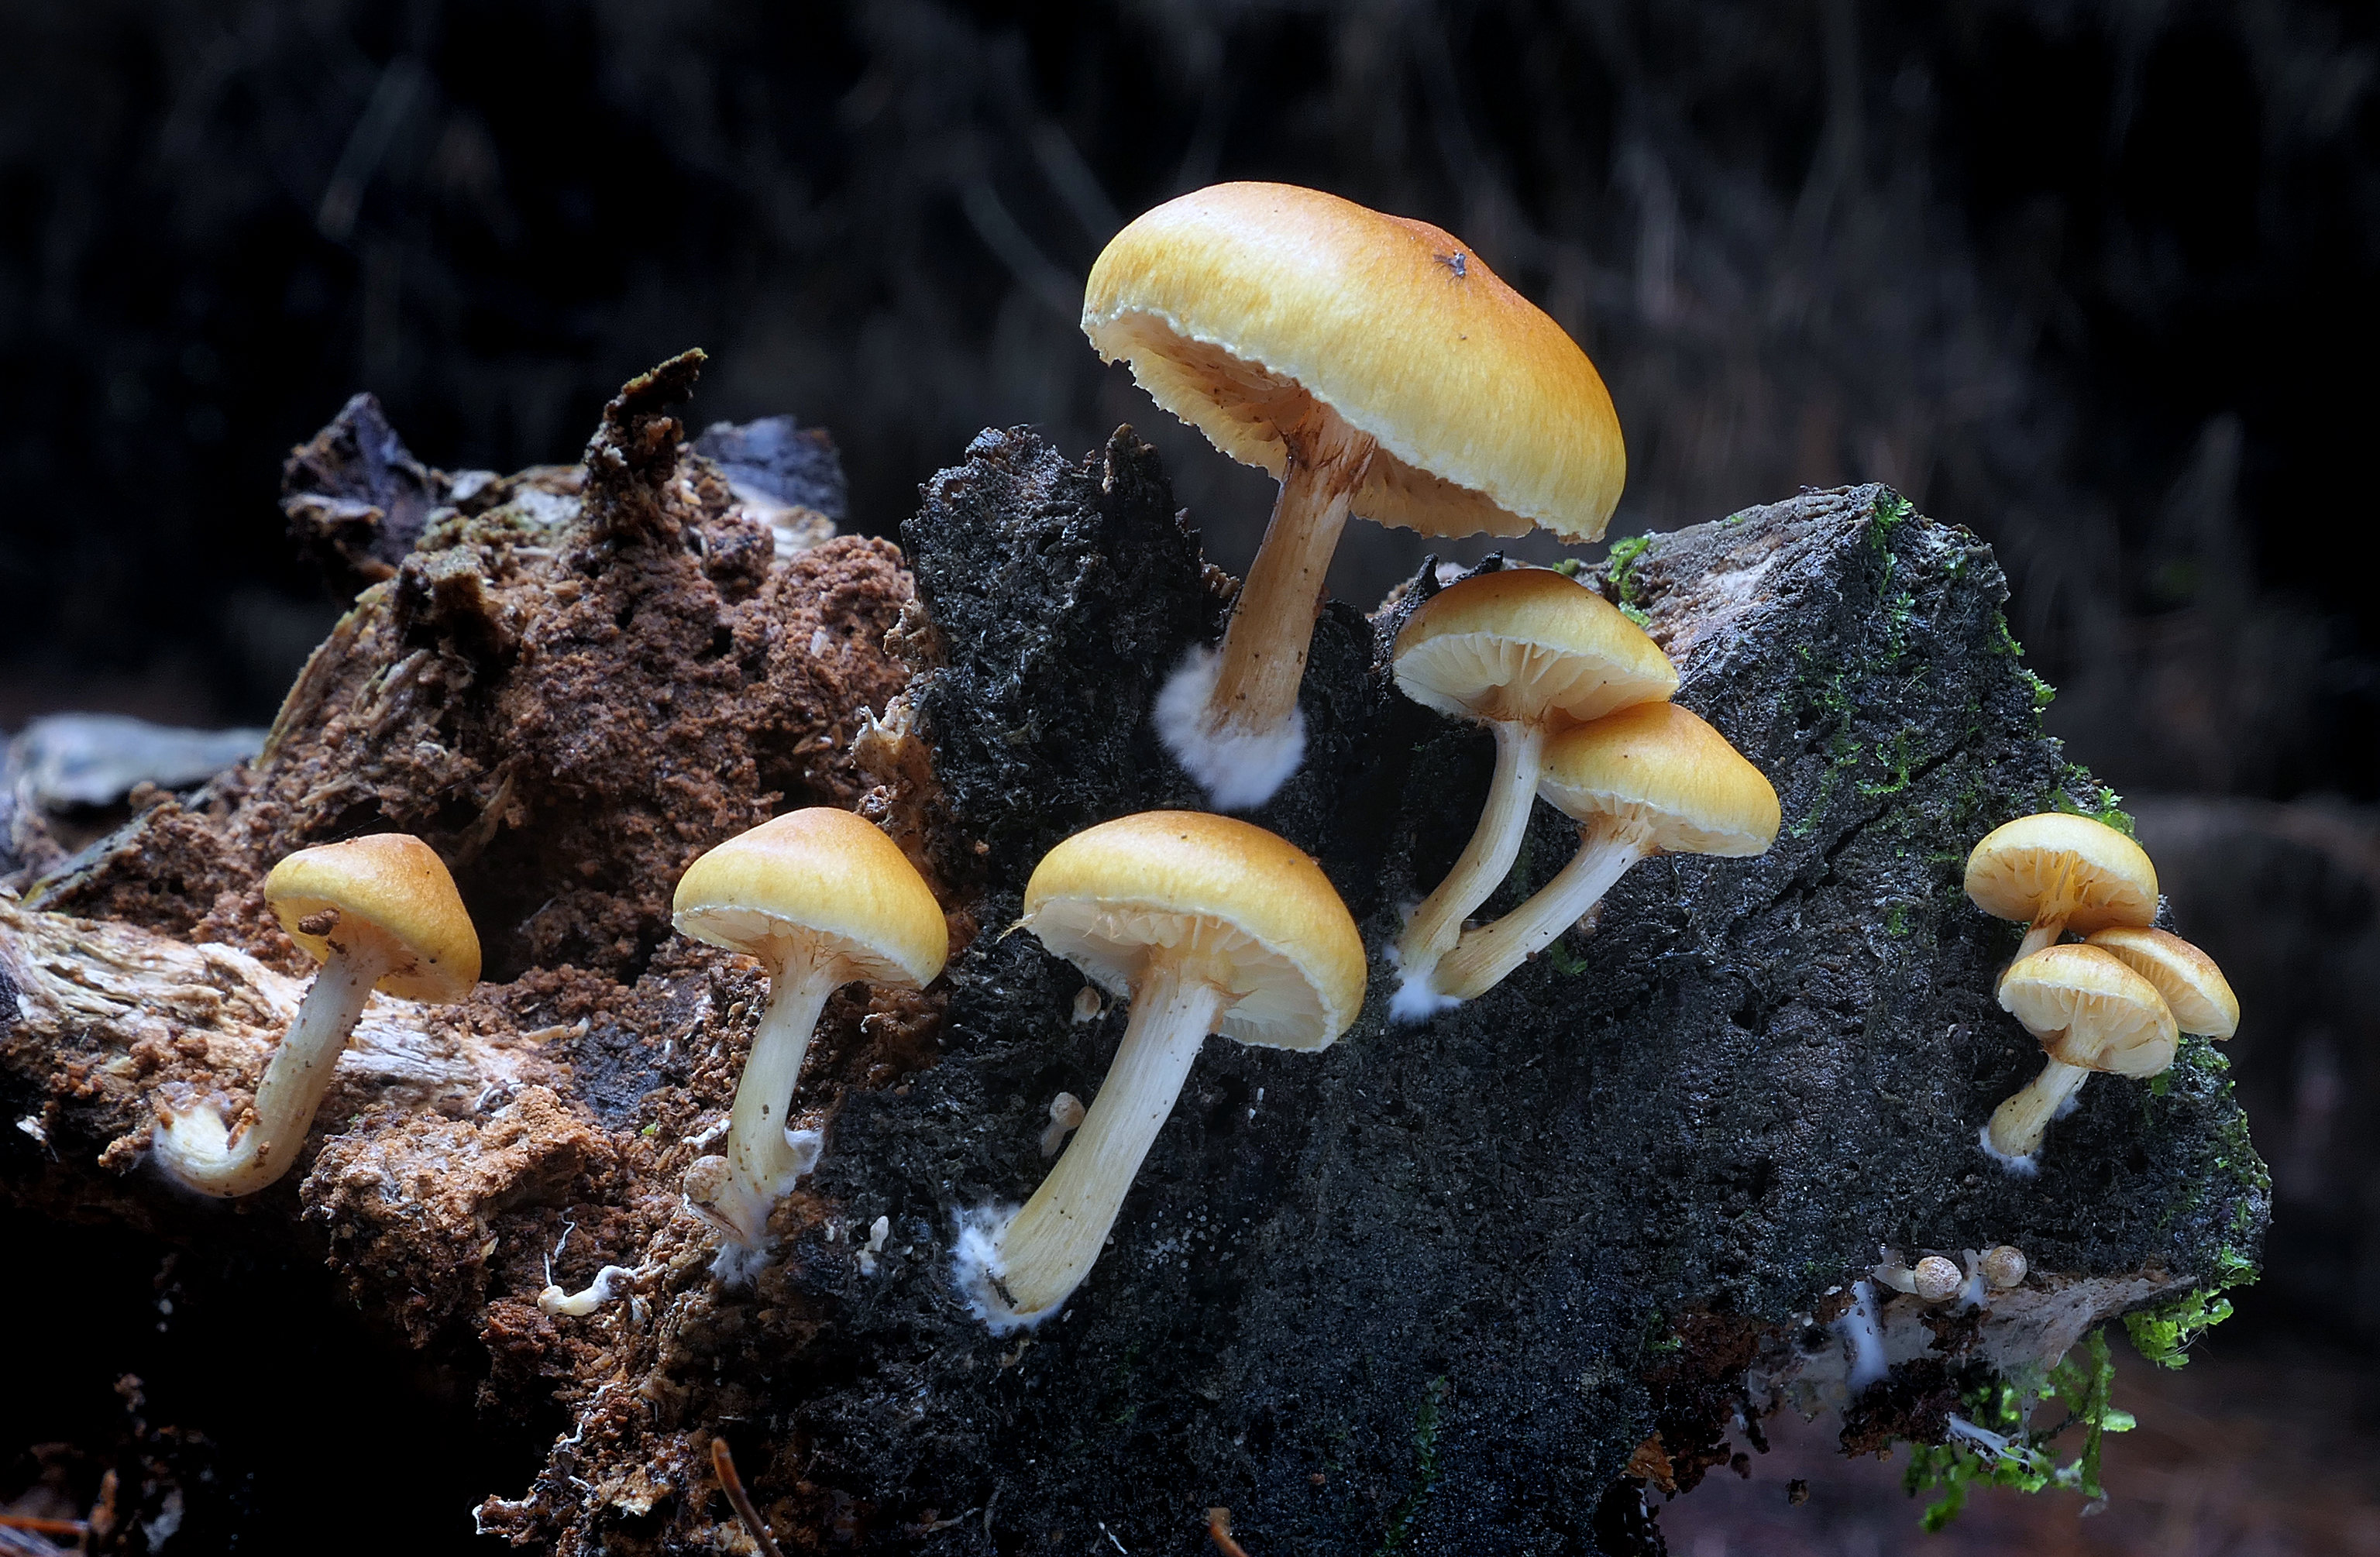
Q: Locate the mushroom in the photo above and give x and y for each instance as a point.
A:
(1375, 366)
(2003, 1265)
(2060, 872)
(1933, 1279)
(2091, 1013)
(1526, 651)
(377, 912)
(1645, 780)
(821, 898)
(2194, 989)
(1207, 925)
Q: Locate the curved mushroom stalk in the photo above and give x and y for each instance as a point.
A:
(1437, 923)
(2019, 1123)
(1229, 717)
(1044, 1252)
(195, 1146)
(763, 1157)
(1608, 846)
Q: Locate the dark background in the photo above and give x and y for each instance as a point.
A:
(2100, 280)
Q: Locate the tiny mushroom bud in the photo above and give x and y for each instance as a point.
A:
(2091, 1013)
(2004, 1265)
(1936, 1280)
(1065, 1118)
(1374, 365)
(822, 899)
(2059, 872)
(2193, 987)
(377, 912)
(1207, 925)
(1526, 651)
(1645, 780)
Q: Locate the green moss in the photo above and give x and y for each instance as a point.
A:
(2082, 1385)
(2164, 1334)
(1566, 963)
(1620, 566)
(2078, 794)
(1424, 1440)
(1568, 567)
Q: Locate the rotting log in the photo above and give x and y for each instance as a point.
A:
(1440, 1286)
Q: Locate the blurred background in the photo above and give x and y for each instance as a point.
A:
(2099, 279)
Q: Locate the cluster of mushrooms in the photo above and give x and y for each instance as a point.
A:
(2115, 1001)
(1375, 366)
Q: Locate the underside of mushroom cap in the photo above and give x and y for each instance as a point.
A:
(2081, 870)
(1235, 304)
(1526, 644)
(821, 873)
(1663, 767)
(396, 885)
(2193, 987)
(1231, 893)
(2089, 1010)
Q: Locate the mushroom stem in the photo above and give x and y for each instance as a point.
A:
(2043, 933)
(1606, 848)
(1242, 735)
(1437, 924)
(195, 1147)
(2019, 1123)
(1047, 1250)
(762, 1159)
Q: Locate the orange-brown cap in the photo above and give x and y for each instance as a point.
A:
(2089, 1010)
(1664, 767)
(388, 885)
(1527, 645)
(2195, 990)
(2081, 871)
(821, 873)
(1232, 300)
(1106, 895)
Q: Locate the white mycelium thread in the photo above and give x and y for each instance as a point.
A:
(1239, 769)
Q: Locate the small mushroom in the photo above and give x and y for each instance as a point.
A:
(823, 899)
(1375, 366)
(2003, 1266)
(1525, 652)
(2091, 1013)
(1646, 780)
(377, 912)
(2194, 989)
(1931, 1280)
(1207, 925)
(2057, 872)
(1066, 1113)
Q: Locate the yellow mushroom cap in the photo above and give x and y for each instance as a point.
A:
(1527, 645)
(1663, 765)
(2193, 987)
(2037, 866)
(1231, 299)
(1235, 891)
(2089, 1010)
(397, 885)
(823, 872)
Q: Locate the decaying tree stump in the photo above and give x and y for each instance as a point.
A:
(1440, 1286)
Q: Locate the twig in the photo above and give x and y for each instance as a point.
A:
(1219, 1525)
(723, 1465)
(45, 1527)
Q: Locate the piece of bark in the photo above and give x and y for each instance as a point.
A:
(356, 498)
(1462, 1270)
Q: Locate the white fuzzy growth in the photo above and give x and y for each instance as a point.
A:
(1417, 999)
(601, 1290)
(740, 1259)
(1240, 769)
(2022, 1167)
(1857, 1326)
(975, 1265)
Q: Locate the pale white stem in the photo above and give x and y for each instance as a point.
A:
(1242, 737)
(2019, 1123)
(762, 1159)
(196, 1147)
(1606, 848)
(1437, 924)
(2038, 936)
(1047, 1250)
